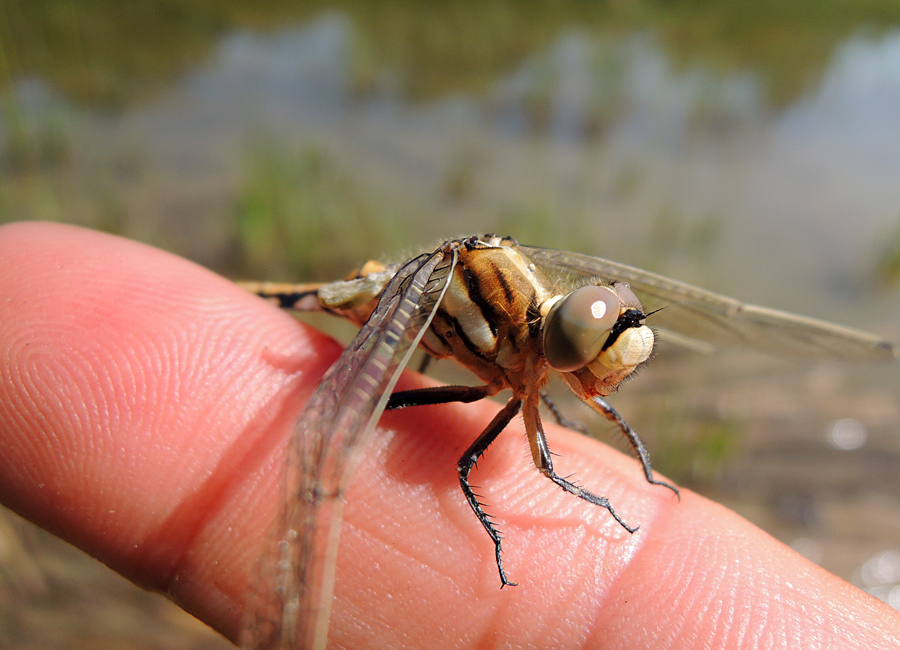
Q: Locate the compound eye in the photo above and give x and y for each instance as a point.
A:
(577, 327)
(627, 297)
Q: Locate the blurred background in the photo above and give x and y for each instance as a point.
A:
(751, 147)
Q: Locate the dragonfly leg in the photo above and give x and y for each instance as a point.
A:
(468, 460)
(606, 409)
(540, 452)
(438, 395)
(425, 364)
(561, 419)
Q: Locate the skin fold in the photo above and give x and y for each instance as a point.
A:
(145, 404)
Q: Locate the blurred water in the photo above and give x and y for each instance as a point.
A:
(606, 135)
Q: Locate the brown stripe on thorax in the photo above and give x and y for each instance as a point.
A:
(484, 320)
(498, 287)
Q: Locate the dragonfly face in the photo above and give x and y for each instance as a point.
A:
(513, 315)
(595, 337)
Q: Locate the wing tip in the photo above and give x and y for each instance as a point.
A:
(877, 350)
(887, 351)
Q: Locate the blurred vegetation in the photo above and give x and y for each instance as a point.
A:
(113, 53)
(298, 216)
(538, 223)
(692, 446)
(683, 245)
(886, 269)
(33, 143)
(54, 597)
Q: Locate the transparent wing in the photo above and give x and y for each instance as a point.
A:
(697, 317)
(325, 447)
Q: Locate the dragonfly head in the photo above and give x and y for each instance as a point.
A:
(596, 337)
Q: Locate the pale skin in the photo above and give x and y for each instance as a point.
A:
(144, 407)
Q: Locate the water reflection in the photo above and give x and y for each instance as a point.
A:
(880, 576)
(621, 87)
(847, 434)
(606, 133)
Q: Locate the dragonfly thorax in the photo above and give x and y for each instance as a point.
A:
(489, 319)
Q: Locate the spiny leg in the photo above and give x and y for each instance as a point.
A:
(541, 455)
(606, 409)
(467, 394)
(438, 395)
(561, 419)
(468, 460)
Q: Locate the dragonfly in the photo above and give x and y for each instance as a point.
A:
(515, 316)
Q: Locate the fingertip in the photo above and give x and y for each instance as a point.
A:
(144, 407)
